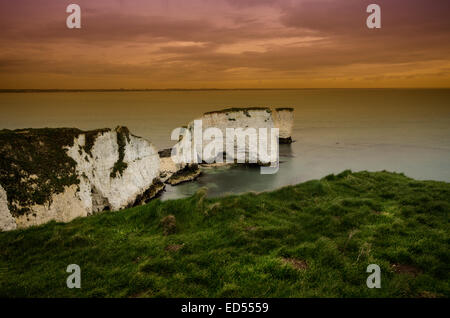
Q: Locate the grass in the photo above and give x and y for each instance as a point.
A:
(314, 239)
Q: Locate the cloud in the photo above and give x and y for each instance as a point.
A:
(252, 3)
(209, 42)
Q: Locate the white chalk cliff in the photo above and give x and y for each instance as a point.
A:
(62, 174)
(98, 190)
(101, 186)
(7, 221)
(250, 120)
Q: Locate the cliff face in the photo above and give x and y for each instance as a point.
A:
(283, 119)
(7, 221)
(102, 184)
(61, 174)
(244, 118)
(256, 117)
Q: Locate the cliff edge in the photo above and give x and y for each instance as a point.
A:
(65, 173)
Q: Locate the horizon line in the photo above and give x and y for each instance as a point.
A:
(74, 90)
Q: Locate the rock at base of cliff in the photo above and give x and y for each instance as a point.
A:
(154, 191)
(188, 173)
(284, 141)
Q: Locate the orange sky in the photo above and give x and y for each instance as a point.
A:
(224, 44)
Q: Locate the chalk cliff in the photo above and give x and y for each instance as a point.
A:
(283, 119)
(255, 117)
(7, 221)
(65, 173)
(61, 174)
(245, 119)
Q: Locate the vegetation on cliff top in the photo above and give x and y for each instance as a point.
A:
(90, 137)
(238, 109)
(312, 239)
(289, 109)
(123, 136)
(246, 110)
(34, 164)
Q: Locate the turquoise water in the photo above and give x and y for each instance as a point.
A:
(397, 130)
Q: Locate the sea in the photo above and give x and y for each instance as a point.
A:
(399, 130)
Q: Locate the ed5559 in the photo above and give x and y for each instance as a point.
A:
(246, 307)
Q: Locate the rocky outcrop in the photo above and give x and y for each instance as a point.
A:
(188, 173)
(118, 168)
(175, 173)
(249, 120)
(61, 174)
(283, 119)
(64, 207)
(255, 117)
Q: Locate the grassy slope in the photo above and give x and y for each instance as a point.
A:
(235, 246)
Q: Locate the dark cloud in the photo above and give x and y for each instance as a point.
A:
(210, 40)
(399, 17)
(252, 3)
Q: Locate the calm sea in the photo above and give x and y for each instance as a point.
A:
(335, 129)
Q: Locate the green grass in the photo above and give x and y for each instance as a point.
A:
(248, 245)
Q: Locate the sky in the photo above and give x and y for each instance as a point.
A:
(157, 44)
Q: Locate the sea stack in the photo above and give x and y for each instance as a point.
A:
(255, 117)
(249, 121)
